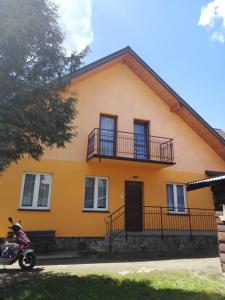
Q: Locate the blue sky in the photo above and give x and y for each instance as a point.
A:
(183, 41)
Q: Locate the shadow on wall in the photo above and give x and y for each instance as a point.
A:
(42, 285)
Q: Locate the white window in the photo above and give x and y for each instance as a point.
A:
(96, 193)
(36, 190)
(176, 198)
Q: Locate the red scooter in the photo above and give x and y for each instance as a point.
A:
(19, 248)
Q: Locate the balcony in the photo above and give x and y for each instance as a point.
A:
(120, 145)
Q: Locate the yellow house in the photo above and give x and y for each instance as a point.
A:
(138, 143)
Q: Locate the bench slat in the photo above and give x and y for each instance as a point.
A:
(41, 234)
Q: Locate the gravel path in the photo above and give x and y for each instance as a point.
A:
(209, 265)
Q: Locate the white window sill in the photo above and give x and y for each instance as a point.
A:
(185, 212)
(33, 209)
(95, 210)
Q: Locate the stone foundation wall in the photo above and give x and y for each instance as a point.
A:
(136, 246)
(143, 246)
(66, 244)
(169, 247)
(221, 239)
(76, 243)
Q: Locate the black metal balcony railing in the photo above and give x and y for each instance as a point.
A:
(161, 221)
(129, 146)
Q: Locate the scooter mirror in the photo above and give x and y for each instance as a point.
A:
(10, 220)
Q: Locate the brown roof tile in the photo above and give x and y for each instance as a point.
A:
(221, 132)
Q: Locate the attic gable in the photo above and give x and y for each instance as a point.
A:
(160, 88)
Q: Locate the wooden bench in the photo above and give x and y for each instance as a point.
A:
(41, 240)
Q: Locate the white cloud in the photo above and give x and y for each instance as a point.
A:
(75, 19)
(213, 16)
(217, 36)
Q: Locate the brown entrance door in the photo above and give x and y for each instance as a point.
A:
(133, 206)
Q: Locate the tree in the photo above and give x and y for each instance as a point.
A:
(33, 66)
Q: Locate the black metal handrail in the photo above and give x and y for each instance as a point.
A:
(164, 221)
(129, 146)
(115, 224)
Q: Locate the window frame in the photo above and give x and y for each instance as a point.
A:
(36, 191)
(95, 208)
(146, 146)
(114, 142)
(175, 200)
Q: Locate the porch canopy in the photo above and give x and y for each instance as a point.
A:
(195, 185)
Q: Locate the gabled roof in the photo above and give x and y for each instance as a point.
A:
(221, 132)
(177, 105)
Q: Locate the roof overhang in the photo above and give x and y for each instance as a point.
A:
(210, 173)
(160, 87)
(195, 185)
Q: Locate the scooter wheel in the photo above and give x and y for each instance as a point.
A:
(27, 262)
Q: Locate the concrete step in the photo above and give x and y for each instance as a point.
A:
(221, 237)
(222, 247)
(223, 267)
(222, 258)
(219, 213)
(221, 228)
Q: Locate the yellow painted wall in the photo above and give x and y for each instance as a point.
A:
(118, 91)
(66, 216)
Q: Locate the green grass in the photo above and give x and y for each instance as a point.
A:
(156, 285)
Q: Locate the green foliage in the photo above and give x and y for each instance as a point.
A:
(33, 65)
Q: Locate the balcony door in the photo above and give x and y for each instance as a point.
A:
(107, 135)
(141, 140)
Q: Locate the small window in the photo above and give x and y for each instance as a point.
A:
(36, 189)
(176, 198)
(96, 193)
